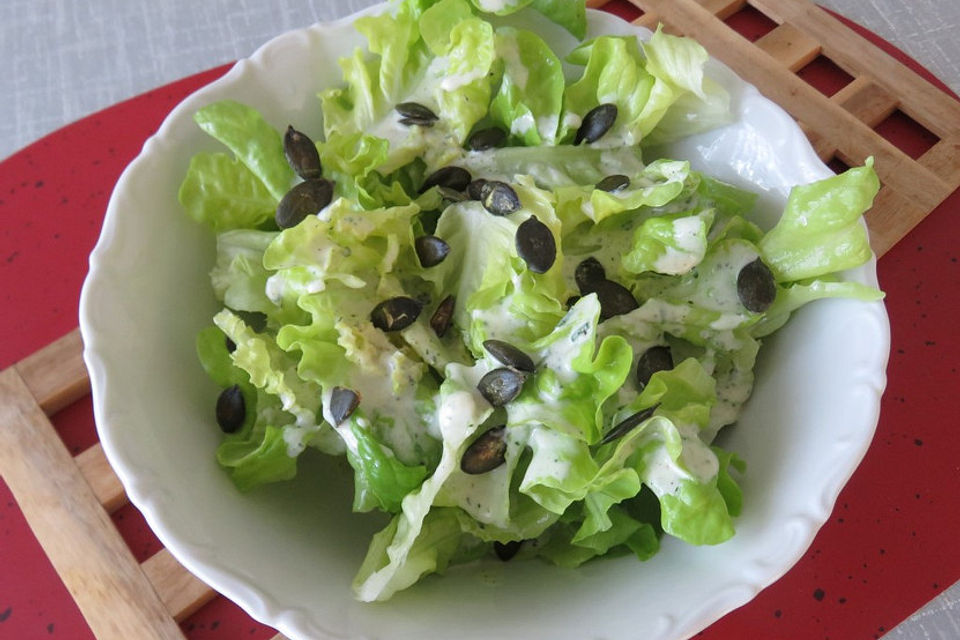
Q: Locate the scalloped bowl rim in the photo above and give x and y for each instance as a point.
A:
(102, 314)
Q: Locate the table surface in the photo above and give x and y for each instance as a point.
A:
(66, 60)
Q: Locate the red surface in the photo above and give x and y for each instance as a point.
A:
(889, 547)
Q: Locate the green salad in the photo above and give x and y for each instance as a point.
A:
(521, 327)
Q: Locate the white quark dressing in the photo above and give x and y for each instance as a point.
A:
(689, 247)
(521, 125)
(696, 462)
(494, 6)
(547, 126)
(509, 52)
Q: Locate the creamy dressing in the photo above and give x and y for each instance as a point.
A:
(689, 247)
(509, 52)
(547, 126)
(571, 121)
(494, 6)
(520, 126)
(696, 463)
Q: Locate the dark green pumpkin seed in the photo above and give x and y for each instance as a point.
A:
(628, 424)
(395, 314)
(536, 245)
(475, 189)
(596, 123)
(231, 409)
(343, 402)
(588, 274)
(509, 355)
(653, 359)
(499, 198)
(502, 385)
(302, 154)
(756, 286)
(456, 178)
(614, 183)
(431, 250)
(420, 122)
(486, 139)
(486, 453)
(305, 199)
(615, 299)
(416, 111)
(256, 320)
(506, 550)
(441, 318)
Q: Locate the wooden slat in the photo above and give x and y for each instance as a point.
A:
(76, 534)
(56, 375)
(181, 592)
(890, 219)
(790, 46)
(852, 138)
(942, 159)
(921, 100)
(723, 9)
(99, 475)
(867, 100)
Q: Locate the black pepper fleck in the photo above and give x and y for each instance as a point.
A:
(818, 594)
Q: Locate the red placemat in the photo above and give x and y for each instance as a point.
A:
(888, 548)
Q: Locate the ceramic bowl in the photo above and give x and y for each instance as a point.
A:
(287, 553)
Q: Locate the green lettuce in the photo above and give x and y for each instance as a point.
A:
(820, 231)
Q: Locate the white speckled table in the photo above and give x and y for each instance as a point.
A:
(64, 60)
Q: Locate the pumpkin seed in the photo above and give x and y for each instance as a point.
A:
(756, 286)
(475, 189)
(506, 550)
(256, 320)
(343, 402)
(536, 245)
(301, 154)
(486, 453)
(614, 183)
(455, 178)
(628, 424)
(395, 314)
(652, 360)
(499, 198)
(416, 113)
(441, 318)
(486, 139)
(409, 122)
(615, 299)
(588, 274)
(509, 355)
(304, 199)
(502, 385)
(431, 250)
(231, 409)
(596, 123)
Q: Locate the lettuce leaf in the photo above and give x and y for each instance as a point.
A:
(820, 231)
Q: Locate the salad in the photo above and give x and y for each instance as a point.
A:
(482, 285)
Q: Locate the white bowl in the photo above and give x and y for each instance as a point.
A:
(287, 553)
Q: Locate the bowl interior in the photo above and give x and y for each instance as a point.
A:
(287, 553)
